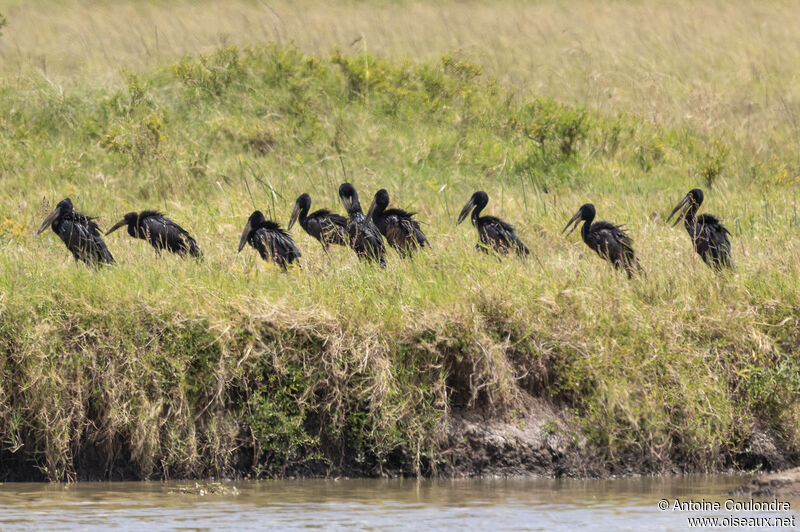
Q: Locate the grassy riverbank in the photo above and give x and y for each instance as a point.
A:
(165, 367)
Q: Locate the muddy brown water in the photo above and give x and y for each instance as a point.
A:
(489, 504)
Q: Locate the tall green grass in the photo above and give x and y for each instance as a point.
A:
(164, 367)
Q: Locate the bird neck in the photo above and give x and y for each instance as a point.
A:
(691, 213)
(476, 213)
(355, 209)
(587, 227)
(303, 216)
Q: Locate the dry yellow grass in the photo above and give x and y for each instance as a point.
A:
(720, 67)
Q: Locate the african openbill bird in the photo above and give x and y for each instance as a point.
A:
(607, 239)
(493, 232)
(79, 233)
(402, 232)
(327, 227)
(709, 237)
(159, 231)
(365, 237)
(271, 242)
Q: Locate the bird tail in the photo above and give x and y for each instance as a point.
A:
(194, 250)
(106, 256)
(420, 237)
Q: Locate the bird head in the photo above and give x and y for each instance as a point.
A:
(586, 212)
(63, 208)
(692, 199)
(129, 219)
(379, 203)
(256, 219)
(479, 199)
(303, 203)
(349, 197)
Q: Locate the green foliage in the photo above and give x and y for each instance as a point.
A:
(210, 76)
(554, 131)
(278, 426)
(712, 163)
(649, 153)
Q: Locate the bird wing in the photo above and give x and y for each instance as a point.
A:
(331, 217)
(365, 237)
(707, 220)
(314, 226)
(328, 225)
(101, 250)
(274, 243)
(403, 222)
(397, 231)
(82, 237)
(90, 224)
(612, 243)
(401, 230)
(711, 237)
(400, 213)
(501, 233)
(612, 232)
(168, 233)
(369, 231)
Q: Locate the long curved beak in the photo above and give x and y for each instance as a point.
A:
(371, 209)
(346, 202)
(49, 220)
(465, 211)
(679, 206)
(293, 218)
(245, 234)
(116, 226)
(575, 219)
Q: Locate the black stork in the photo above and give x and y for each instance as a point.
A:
(79, 233)
(607, 239)
(709, 236)
(327, 227)
(402, 232)
(159, 231)
(493, 232)
(365, 237)
(271, 242)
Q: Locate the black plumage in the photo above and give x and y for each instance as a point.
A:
(401, 230)
(79, 233)
(364, 236)
(493, 232)
(709, 236)
(325, 226)
(271, 242)
(608, 240)
(159, 231)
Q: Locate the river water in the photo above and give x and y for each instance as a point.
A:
(492, 504)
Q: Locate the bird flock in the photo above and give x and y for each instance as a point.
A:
(365, 233)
